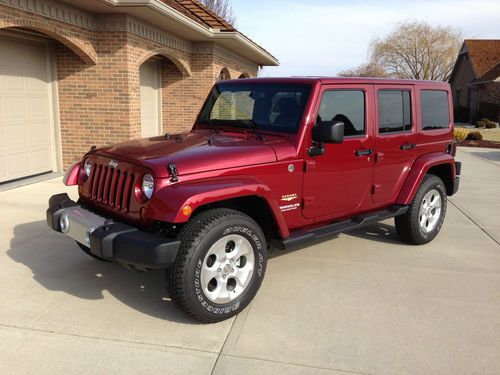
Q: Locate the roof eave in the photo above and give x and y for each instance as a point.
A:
(233, 40)
(238, 40)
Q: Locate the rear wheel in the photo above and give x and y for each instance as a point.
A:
(220, 265)
(426, 214)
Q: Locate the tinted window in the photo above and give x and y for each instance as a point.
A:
(434, 109)
(394, 111)
(347, 106)
(266, 106)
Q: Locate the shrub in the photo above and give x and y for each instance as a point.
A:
(480, 124)
(491, 125)
(474, 136)
(460, 134)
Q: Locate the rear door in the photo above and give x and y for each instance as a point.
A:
(396, 140)
(338, 183)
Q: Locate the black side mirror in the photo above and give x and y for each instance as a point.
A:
(329, 132)
(326, 132)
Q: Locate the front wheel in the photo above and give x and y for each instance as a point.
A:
(220, 265)
(425, 217)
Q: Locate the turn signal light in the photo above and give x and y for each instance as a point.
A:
(187, 210)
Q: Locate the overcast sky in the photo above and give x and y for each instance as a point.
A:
(324, 37)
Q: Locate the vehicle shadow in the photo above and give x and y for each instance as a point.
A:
(59, 264)
(380, 232)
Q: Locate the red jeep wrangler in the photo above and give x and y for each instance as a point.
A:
(268, 161)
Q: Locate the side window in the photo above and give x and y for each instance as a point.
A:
(347, 106)
(394, 111)
(434, 109)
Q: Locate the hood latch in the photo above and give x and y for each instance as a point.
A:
(173, 173)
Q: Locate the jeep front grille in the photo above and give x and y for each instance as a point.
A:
(111, 186)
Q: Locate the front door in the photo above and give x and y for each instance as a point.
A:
(338, 183)
(150, 98)
(396, 143)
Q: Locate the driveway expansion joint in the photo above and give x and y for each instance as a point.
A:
(111, 340)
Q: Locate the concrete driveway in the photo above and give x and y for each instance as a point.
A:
(362, 303)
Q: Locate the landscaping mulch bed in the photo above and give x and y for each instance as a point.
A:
(486, 144)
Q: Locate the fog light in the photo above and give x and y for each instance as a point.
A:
(64, 223)
(87, 238)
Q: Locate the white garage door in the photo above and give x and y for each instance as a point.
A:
(25, 123)
(150, 99)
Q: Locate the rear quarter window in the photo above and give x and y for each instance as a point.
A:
(434, 110)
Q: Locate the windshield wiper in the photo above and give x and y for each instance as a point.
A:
(240, 124)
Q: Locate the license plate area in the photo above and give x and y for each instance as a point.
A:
(79, 223)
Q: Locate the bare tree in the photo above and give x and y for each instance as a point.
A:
(417, 50)
(365, 70)
(222, 8)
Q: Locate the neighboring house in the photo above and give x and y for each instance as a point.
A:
(475, 81)
(89, 72)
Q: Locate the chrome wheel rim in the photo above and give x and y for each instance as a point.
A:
(227, 269)
(430, 211)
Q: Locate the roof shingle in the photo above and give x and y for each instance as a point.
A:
(484, 55)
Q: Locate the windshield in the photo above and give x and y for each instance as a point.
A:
(263, 106)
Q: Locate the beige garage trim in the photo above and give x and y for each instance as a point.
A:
(27, 128)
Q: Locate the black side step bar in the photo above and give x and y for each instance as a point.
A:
(302, 237)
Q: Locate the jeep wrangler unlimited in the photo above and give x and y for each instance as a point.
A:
(268, 161)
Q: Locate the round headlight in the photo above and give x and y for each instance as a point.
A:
(148, 186)
(87, 166)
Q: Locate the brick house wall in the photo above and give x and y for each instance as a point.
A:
(97, 59)
(489, 101)
(462, 77)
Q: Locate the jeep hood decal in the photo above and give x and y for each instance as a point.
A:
(193, 152)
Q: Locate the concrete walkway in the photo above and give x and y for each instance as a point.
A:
(362, 303)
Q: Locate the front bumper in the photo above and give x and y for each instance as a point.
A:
(109, 240)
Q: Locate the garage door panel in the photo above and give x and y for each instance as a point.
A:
(34, 80)
(18, 164)
(39, 134)
(150, 95)
(15, 109)
(40, 160)
(13, 80)
(38, 108)
(17, 136)
(3, 167)
(25, 129)
(20, 52)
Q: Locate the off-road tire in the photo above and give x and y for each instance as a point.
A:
(87, 251)
(408, 225)
(197, 237)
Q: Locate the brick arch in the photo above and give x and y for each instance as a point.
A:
(180, 63)
(224, 74)
(244, 75)
(85, 52)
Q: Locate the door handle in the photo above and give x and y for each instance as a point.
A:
(408, 146)
(364, 152)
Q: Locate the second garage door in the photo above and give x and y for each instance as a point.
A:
(26, 135)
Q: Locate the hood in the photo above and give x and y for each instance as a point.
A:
(193, 153)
